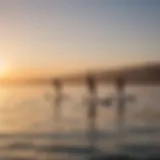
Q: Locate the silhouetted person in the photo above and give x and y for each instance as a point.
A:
(120, 86)
(58, 98)
(91, 84)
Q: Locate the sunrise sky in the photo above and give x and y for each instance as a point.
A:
(69, 35)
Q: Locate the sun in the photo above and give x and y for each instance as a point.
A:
(3, 68)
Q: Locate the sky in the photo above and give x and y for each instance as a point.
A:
(71, 35)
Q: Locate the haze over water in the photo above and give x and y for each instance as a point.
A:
(48, 38)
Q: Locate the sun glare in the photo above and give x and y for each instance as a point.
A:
(3, 68)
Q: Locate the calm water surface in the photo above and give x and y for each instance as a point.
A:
(28, 128)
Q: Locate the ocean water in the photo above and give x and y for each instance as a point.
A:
(29, 130)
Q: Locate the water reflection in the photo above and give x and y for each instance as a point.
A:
(27, 128)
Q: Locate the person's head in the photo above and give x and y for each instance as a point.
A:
(90, 80)
(57, 84)
(120, 82)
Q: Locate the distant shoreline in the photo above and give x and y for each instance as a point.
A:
(140, 75)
